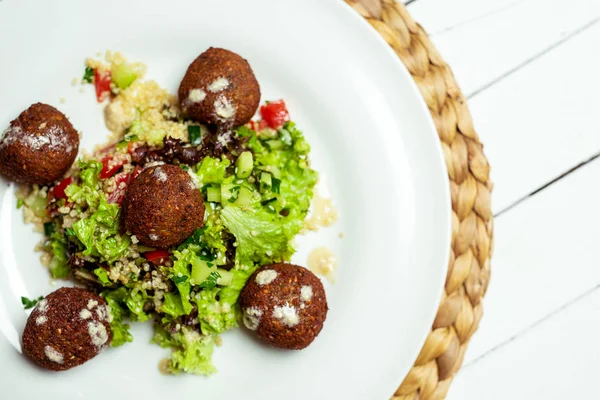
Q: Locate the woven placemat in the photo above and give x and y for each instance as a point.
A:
(472, 228)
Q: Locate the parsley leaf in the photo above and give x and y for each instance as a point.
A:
(180, 279)
(211, 281)
(275, 185)
(27, 304)
(88, 76)
(48, 228)
(195, 135)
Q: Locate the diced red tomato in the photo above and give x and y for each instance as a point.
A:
(258, 125)
(58, 191)
(157, 257)
(117, 196)
(134, 173)
(102, 83)
(275, 113)
(109, 169)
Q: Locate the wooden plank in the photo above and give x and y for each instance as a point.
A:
(557, 359)
(541, 121)
(536, 54)
(439, 16)
(482, 40)
(546, 254)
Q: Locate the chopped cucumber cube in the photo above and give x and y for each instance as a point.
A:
(244, 164)
(274, 144)
(123, 75)
(275, 171)
(226, 277)
(201, 270)
(37, 204)
(244, 197)
(227, 192)
(213, 194)
(265, 178)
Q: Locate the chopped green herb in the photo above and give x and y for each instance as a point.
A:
(265, 202)
(27, 304)
(20, 203)
(48, 228)
(88, 76)
(195, 135)
(211, 281)
(275, 185)
(180, 279)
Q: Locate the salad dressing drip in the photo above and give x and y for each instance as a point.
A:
(323, 213)
(322, 261)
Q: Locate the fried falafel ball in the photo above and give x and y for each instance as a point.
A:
(162, 206)
(67, 328)
(219, 88)
(285, 305)
(39, 146)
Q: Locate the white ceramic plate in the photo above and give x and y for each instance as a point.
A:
(372, 139)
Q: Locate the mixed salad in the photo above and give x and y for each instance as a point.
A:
(256, 183)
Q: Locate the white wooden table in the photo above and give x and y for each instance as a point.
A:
(531, 69)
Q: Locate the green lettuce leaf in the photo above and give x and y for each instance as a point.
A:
(87, 193)
(212, 170)
(120, 331)
(177, 305)
(192, 352)
(58, 265)
(102, 276)
(99, 233)
(261, 236)
(230, 294)
(135, 300)
(173, 305)
(215, 316)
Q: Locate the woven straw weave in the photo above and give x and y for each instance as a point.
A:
(472, 229)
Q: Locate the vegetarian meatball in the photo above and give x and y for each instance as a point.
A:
(39, 146)
(162, 206)
(67, 328)
(219, 88)
(285, 305)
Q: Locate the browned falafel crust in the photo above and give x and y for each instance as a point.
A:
(163, 207)
(39, 146)
(285, 290)
(242, 91)
(66, 329)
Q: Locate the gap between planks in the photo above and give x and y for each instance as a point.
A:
(546, 185)
(477, 17)
(553, 313)
(533, 58)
